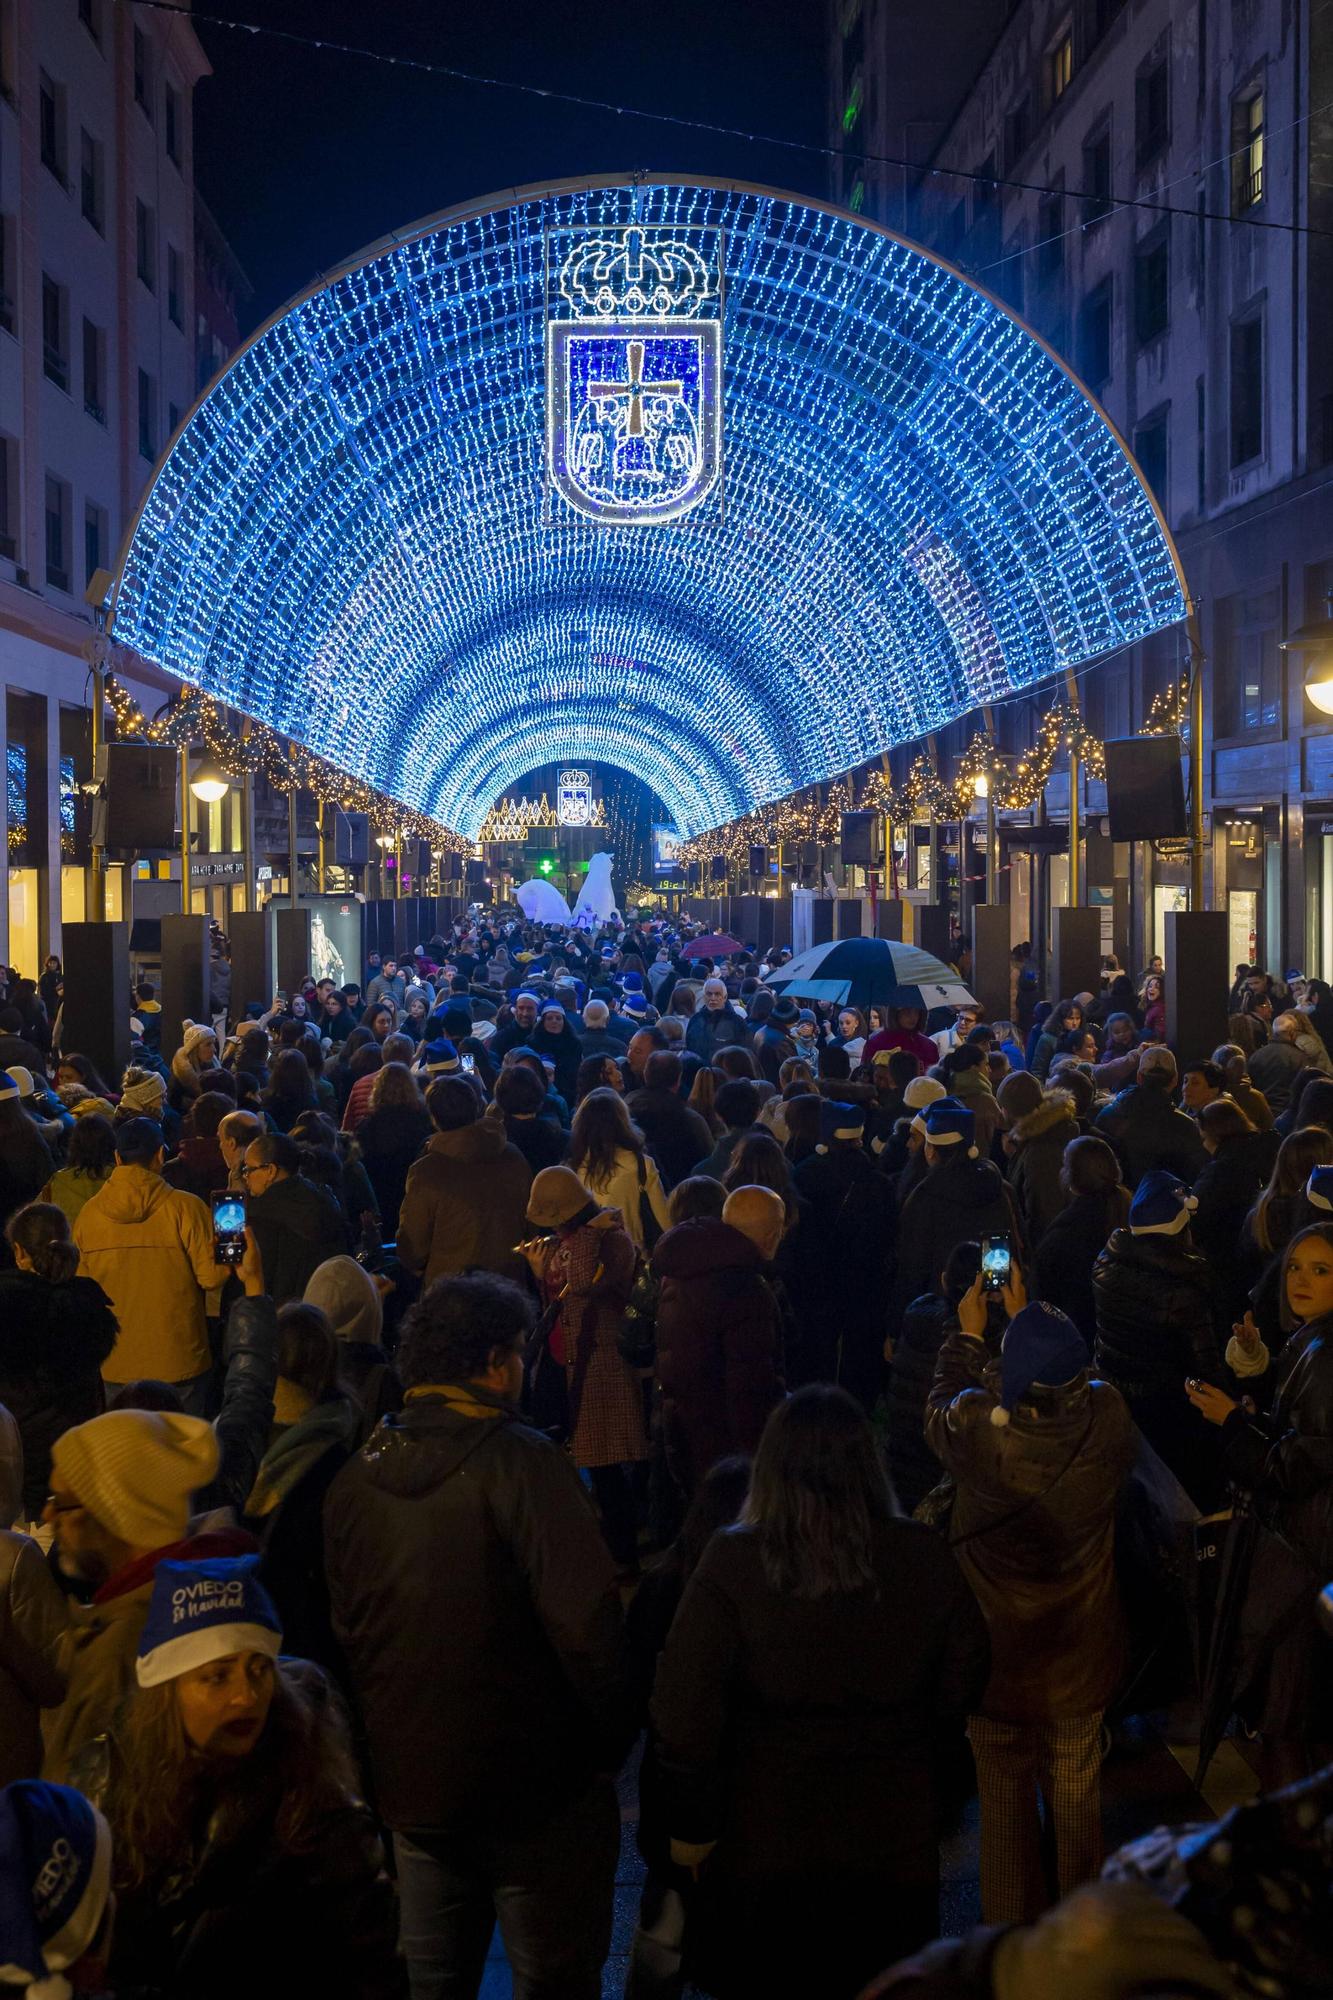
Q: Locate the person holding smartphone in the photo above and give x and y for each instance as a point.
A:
(1039, 1452)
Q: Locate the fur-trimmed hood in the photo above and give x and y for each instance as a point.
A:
(1055, 1110)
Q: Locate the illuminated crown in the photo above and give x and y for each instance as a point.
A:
(626, 276)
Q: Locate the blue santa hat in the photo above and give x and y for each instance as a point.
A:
(202, 1611)
(1162, 1205)
(527, 993)
(634, 1004)
(948, 1122)
(1041, 1344)
(1319, 1188)
(839, 1121)
(55, 1877)
(632, 981)
(610, 951)
(441, 1057)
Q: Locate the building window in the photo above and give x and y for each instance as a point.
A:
(1059, 65)
(55, 332)
(57, 532)
(90, 180)
(171, 123)
(1017, 131)
(94, 540)
(1247, 390)
(175, 304)
(1152, 288)
(1152, 112)
(147, 416)
(94, 371)
(1051, 240)
(51, 126)
(1097, 175)
(143, 74)
(145, 245)
(90, 13)
(1248, 677)
(1201, 445)
(9, 497)
(173, 419)
(8, 274)
(1150, 450)
(1094, 336)
(1247, 144)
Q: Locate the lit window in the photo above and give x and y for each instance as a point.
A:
(1247, 165)
(1059, 67)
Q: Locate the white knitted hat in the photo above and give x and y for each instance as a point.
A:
(135, 1471)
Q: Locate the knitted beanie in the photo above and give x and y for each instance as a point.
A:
(345, 1290)
(145, 1096)
(923, 1090)
(135, 1471)
(195, 1033)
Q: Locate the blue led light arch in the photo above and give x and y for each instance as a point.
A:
(917, 508)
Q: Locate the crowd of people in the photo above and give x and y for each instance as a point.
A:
(621, 1358)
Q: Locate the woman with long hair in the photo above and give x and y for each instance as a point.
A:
(607, 1152)
(823, 1652)
(1280, 1209)
(1285, 1461)
(391, 1136)
(234, 1808)
(76, 1072)
(56, 1331)
(1096, 1204)
(598, 1073)
(291, 1090)
(1065, 1018)
(90, 1155)
(703, 1096)
(759, 1161)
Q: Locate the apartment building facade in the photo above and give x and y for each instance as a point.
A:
(1148, 184)
(97, 366)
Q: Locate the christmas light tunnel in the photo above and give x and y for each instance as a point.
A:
(712, 483)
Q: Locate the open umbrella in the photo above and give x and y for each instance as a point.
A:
(871, 972)
(716, 945)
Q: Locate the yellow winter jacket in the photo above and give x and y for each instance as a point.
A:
(150, 1248)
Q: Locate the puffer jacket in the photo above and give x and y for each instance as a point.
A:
(492, 1685)
(1045, 1577)
(956, 1201)
(150, 1248)
(53, 1342)
(1158, 1321)
(33, 1616)
(1147, 1131)
(465, 1204)
(719, 1346)
(1034, 1171)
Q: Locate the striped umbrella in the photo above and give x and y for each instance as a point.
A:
(871, 972)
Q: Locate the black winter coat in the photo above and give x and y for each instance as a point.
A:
(913, 1464)
(799, 1733)
(676, 1136)
(475, 1601)
(388, 1141)
(1158, 1321)
(1034, 1170)
(53, 1341)
(956, 1201)
(1286, 1462)
(1226, 1191)
(1147, 1131)
(841, 1273)
(297, 1226)
(1065, 1257)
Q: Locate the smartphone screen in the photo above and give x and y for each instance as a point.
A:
(468, 1063)
(996, 1258)
(228, 1227)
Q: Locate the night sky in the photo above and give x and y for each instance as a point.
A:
(306, 156)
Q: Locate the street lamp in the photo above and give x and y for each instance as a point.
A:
(210, 782)
(1316, 640)
(384, 841)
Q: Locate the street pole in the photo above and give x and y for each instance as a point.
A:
(992, 845)
(398, 861)
(323, 863)
(1075, 831)
(1195, 644)
(97, 858)
(184, 764)
(248, 827)
(293, 895)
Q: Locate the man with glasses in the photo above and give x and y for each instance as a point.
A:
(296, 1224)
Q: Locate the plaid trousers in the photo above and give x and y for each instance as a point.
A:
(1020, 1764)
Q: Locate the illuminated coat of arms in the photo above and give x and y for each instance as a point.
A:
(574, 799)
(634, 373)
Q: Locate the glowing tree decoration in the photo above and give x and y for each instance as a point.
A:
(914, 507)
